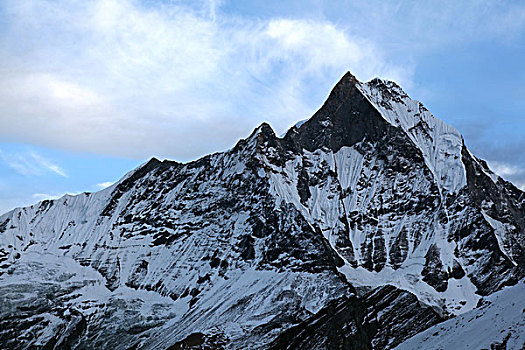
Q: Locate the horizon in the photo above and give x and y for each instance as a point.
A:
(84, 103)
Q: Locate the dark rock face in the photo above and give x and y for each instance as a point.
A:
(397, 316)
(345, 119)
(503, 202)
(201, 341)
(433, 272)
(261, 246)
(378, 319)
(399, 249)
(337, 326)
(457, 271)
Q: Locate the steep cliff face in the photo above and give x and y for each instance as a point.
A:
(377, 319)
(400, 198)
(246, 247)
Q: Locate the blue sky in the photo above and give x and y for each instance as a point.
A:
(91, 89)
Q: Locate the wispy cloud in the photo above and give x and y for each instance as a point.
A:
(510, 172)
(134, 79)
(31, 164)
(45, 164)
(504, 169)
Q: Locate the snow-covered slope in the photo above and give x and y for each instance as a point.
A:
(234, 249)
(440, 143)
(499, 323)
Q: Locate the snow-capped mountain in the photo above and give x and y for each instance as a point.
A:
(359, 228)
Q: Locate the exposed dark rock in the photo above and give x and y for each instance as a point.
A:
(457, 271)
(201, 341)
(399, 249)
(378, 319)
(246, 247)
(433, 272)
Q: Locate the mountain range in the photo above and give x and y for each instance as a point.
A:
(369, 225)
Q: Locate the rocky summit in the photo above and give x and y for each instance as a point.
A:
(368, 226)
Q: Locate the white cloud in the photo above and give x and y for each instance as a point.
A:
(46, 164)
(133, 79)
(504, 169)
(103, 185)
(510, 172)
(31, 164)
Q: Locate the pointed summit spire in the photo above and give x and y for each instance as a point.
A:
(347, 76)
(345, 86)
(346, 117)
(347, 82)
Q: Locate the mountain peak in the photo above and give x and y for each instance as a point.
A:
(263, 128)
(347, 78)
(346, 117)
(356, 111)
(343, 87)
